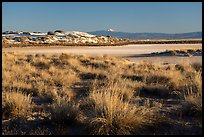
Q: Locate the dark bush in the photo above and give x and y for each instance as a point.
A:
(50, 33)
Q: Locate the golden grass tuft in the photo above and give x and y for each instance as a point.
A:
(193, 98)
(110, 115)
(64, 110)
(109, 111)
(16, 104)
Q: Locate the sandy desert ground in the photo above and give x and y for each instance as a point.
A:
(136, 53)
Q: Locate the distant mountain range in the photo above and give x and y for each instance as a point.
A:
(128, 35)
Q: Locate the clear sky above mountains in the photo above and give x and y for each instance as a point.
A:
(161, 17)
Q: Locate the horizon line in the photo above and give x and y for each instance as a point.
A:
(98, 30)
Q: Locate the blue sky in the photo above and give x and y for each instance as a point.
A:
(161, 17)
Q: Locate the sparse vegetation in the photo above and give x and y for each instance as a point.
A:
(111, 113)
(101, 95)
(183, 52)
(16, 104)
(193, 97)
(64, 110)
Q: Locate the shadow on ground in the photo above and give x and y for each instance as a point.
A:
(159, 55)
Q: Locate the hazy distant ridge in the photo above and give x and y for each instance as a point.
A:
(147, 35)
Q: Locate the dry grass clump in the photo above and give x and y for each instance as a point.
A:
(45, 92)
(193, 103)
(157, 78)
(110, 115)
(64, 110)
(62, 77)
(16, 104)
(197, 66)
(89, 75)
(109, 111)
(95, 63)
(193, 97)
(134, 77)
(115, 83)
